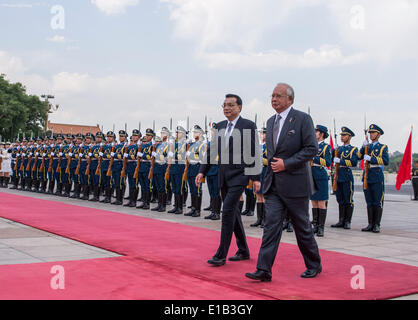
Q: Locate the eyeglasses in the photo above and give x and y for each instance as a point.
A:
(228, 105)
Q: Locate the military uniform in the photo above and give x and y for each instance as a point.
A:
(177, 154)
(64, 175)
(144, 181)
(14, 160)
(348, 158)
(414, 176)
(96, 175)
(376, 157)
(159, 170)
(131, 155)
(118, 180)
(74, 155)
(4, 165)
(320, 176)
(84, 156)
(106, 156)
(194, 157)
(56, 165)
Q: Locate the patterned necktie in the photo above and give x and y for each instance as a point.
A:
(276, 130)
(228, 132)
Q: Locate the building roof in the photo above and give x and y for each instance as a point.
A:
(67, 128)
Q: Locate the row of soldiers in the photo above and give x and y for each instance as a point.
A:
(95, 165)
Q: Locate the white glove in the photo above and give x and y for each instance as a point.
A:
(188, 153)
(37, 154)
(365, 143)
(125, 155)
(171, 154)
(367, 157)
(101, 154)
(155, 154)
(70, 154)
(337, 160)
(153, 142)
(139, 154)
(112, 154)
(23, 154)
(80, 155)
(60, 154)
(17, 154)
(43, 154)
(90, 154)
(52, 154)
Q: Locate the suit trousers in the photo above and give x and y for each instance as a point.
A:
(298, 211)
(231, 222)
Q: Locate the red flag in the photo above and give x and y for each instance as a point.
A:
(404, 173)
(331, 142)
(362, 161)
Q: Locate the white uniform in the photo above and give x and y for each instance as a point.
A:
(6, 162)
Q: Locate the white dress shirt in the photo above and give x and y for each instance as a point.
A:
(282, 121)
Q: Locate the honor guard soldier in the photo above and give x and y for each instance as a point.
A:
(176, 155)
(320, 175)
(194, 156)
(213, 186)
(49, 163)
(106, 156)
(22, 162)
(43, 169)
(63, 155)
(5, 164)
(260, 197)
(36, 165)
(57, 150)
(85, 154)
(26, 166)
(345, 158)
(95, 172)
(131, 155)
(165, 136)
(159, 170)
(14, 160)
(146, 158)
(75, 155)
(118, 156)
(414, 176)
(375, 158)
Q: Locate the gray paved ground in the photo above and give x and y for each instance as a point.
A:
(397, 242)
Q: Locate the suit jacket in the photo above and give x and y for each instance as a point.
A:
(230, 158)
(297, 145)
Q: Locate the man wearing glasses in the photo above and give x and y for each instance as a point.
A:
(236, 143)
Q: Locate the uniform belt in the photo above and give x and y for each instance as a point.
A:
(375, 166)
(132, 160)
(316, 165)
(84, 160)
(117, 160)
(160, 162)
(194, 162)
(146, 160)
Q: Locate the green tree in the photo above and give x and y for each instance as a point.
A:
(20, 113)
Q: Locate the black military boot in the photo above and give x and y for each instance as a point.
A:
(29, 183)
(86, 192)
(6, 182)
(163, 202)
(67, 189)
(174, 209)
(77, 189)
(198, 206)
(259, 215)
(1, 182)
(14, 184)
(169, 196)
(192, 207)
(154, 198)
(347, 217)
(159, 201)
(131, 194)
(289, 226)
(95, 194)
(184, 197)
(108, 195)
(253, 203)
(369, 219)
(35, 187)
(377, 217)
(44, 185)
(247, 205)
(341, 215)
(180, 204)
(216, 208)
(59, 189)
(211, 208)
(315, 213)
(51, 186)
(322, 216)
(119, 198)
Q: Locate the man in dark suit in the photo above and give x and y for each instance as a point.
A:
(235, 149)
(288, 184)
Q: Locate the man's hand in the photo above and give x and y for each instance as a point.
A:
(256, 186)
(198, 179)
(278, 165)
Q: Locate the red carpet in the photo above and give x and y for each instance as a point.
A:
(164, 260)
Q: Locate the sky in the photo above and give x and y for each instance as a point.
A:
(111, 62)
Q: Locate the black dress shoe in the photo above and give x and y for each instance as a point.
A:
(259, 275)
(239, 257)
(216, 261)
(311, 273)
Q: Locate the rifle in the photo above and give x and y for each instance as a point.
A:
(109, 170)
(138, 163)
(125, 163)
(58, 170)
(67, 169)
(51, 158)
(366, 163)
(337, 166)
(184, 178)
(22, 167)
(29, 161)
(99, 166)
(89, 162)
(77, 169)
(15, 167)
(42, 167)
(151, 173)
(36, 160)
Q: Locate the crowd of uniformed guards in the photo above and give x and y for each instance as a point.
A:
(162, 170)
